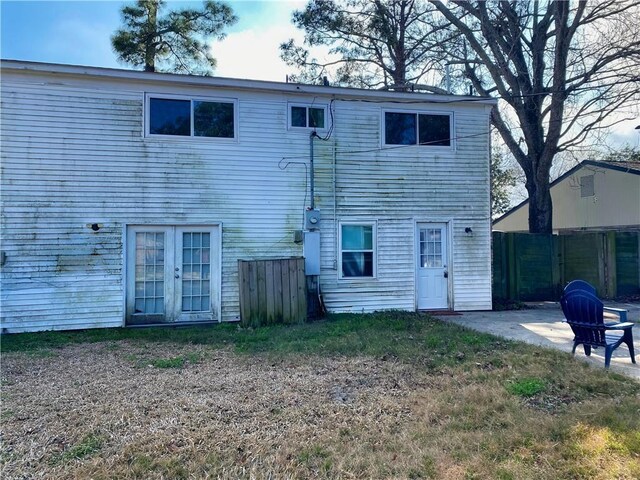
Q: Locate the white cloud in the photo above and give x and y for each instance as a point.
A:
(254, 53)
(625, 133)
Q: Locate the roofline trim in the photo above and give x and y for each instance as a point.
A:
(244, 84)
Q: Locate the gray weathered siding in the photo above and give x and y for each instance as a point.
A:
(74, 153)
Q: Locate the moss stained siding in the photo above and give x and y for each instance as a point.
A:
(74, 153)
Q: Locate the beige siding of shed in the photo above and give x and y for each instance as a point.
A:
(615, 203)
(74, 153)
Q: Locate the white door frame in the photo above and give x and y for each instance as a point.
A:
(448, 222)
(171, 302)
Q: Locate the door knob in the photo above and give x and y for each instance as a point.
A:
(177, 275)
(446, 274)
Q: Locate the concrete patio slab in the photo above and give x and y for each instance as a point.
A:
(543, 325)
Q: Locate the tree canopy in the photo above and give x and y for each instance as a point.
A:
(561, 69)
(375, 43)
(176, 41)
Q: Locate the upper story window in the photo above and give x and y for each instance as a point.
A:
(412, 128)
(186, 117)
(307, 116)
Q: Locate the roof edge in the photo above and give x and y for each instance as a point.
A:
(225, 82)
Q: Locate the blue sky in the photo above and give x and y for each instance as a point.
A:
(78, 32)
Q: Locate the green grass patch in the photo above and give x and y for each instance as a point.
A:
(527, 387)
(173, 362)
(86, 447)
(402, 335)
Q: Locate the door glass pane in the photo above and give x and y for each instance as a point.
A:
(149, 273)
(431, 248)
(195, 260)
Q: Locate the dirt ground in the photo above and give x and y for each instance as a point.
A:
(114, 410)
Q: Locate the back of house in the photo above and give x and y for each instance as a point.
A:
(129, 197)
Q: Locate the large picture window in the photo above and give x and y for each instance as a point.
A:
(426, 129)
(191, 118)
(357, 250)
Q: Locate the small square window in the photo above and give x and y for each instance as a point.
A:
(357, 251)
(307, 117)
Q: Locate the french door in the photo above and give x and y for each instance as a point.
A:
(173, 274)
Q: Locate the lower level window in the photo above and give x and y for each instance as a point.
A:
(357, 250)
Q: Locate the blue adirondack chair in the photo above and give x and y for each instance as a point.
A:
(584, 313)
(586, 286)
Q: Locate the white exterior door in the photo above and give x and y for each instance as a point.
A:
(432, 283)
(172, 274)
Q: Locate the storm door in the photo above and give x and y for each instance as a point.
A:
(172, 274)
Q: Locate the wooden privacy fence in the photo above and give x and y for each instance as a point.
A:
(272, 291)
(532, 267)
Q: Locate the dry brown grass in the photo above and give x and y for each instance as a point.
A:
(110, 410)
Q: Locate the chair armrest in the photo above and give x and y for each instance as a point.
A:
(619, 326)
(622, 313)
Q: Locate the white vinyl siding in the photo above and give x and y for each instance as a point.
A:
(74, 153)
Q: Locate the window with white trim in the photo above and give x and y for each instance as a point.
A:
(413, 128)
(307, 116)
(189, 117)
(357, 250)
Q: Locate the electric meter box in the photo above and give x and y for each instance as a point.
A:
(311, 252)
(311, 219)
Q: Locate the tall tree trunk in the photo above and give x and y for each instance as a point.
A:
(150, 44)
(540, 205)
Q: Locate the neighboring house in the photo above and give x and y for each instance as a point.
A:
(131, 195)
(592, 196)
